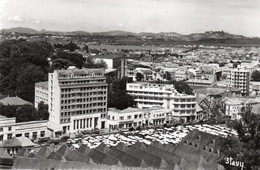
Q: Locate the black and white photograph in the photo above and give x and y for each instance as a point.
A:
(130, 84)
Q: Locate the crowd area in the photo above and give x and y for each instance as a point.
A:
(165, 135)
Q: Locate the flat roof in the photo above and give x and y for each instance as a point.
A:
(42, 84)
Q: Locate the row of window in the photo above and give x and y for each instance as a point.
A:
(34, 135)
(83, 100)
(83, 89)
(81, 112)
(2, 129)
(41, 92)
(83, 106)
(148, 98)
(83, 82)
(184, 105)
(140, 92)
(185, 111)
(89, 94)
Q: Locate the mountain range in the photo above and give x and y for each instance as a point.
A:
(209, 35)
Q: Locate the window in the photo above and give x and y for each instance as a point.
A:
(42, 133)
(9, 136)
(34, 135)
(10, 128)
(18, 135)
(1, 129)
(26, 135)
(121, 118)
(129, 117)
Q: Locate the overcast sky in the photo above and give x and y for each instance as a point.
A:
(182, 16)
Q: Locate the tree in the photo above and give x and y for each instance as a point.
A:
(182, 87)
(22, 63)
(245, 147)
(65, 58)
(42, 112)
(91, 63)
(139, 76)
(70, 46)
(167, 76)
(255, 76)
(117, 96)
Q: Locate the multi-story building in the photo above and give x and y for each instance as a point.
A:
(41, 93)
(149, 95)
(240, 78)
(78, 99)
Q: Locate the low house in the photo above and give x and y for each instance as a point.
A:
(15, 144)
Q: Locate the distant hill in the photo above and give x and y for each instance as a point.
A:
(22, 30)
(115, 33)
(208, 36)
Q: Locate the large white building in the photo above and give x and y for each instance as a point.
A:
(240, 78)
(149, 95)
(41, 93)
(77, 99)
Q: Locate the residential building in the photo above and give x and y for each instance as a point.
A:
(149, 95)
(41, 93)
(240, 78)
(78, 99)
(233, 106)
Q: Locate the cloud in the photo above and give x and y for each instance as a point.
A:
(33, 21)
(19, 19)
(121, 25)
(15, 18)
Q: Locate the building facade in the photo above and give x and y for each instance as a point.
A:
(149, 95)
(78, 99)
(41, 93)
(33, 129)
(240, 78)
(133, 117)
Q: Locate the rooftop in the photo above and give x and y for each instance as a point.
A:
(42, 84)
(17, 142)
(84, 72)
(14, 101)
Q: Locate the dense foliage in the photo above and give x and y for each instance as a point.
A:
(117, 96)
(25, 113)
(139, 76)
(255, 76)
(22, 64)
(62, 60)
(70, 46)
(245, 148)
(182, 87)
(91, 63)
